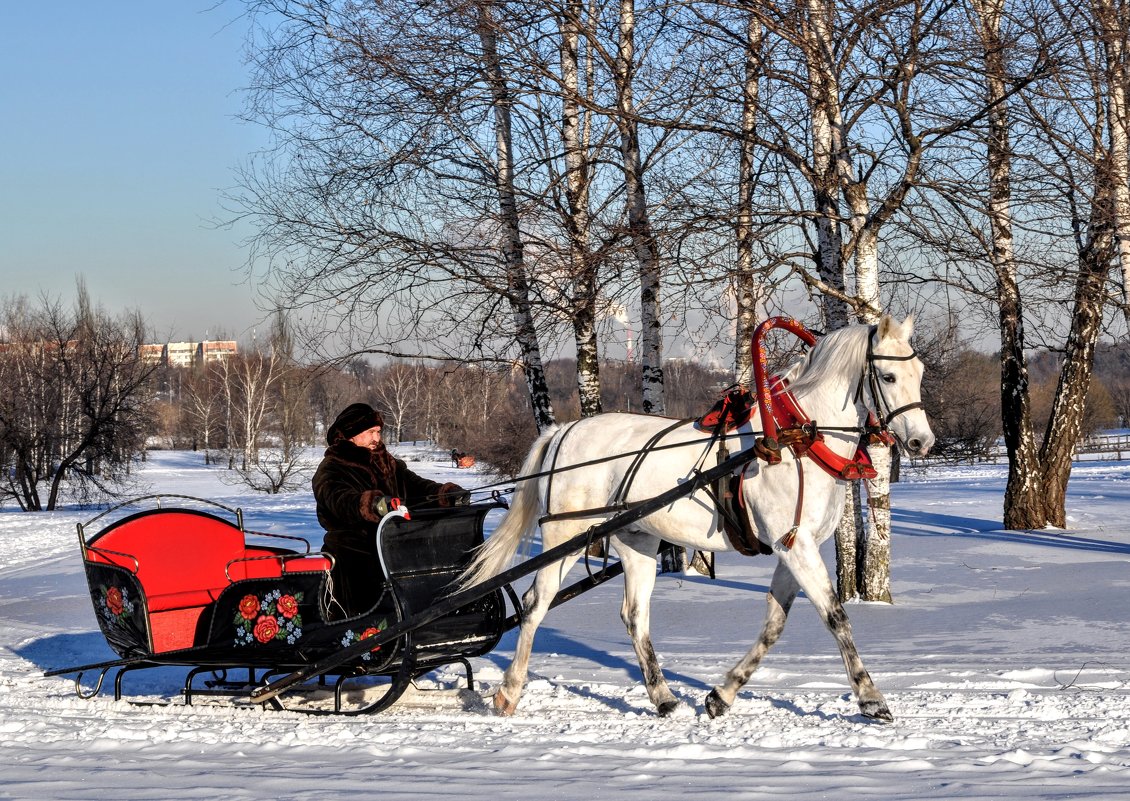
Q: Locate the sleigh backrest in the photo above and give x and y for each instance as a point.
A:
(171, 551)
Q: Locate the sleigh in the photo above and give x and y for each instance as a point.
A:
(189, 586)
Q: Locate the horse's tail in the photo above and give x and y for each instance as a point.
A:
(495, 555)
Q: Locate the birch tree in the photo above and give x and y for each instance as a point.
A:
(1022, 488)
(644, 242)
(1112, 21)
(576, 138)
(388, 210)
(518, 282)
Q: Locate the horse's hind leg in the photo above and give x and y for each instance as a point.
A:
(535, 605)
(637, 553)
(782, 593)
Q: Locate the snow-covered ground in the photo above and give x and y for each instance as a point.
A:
(1005, 659)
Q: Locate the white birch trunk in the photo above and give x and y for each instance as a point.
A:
(748, 291)
(875, 545)
(1023, 485)
(1069, 405)
(525, 332)
(1110, 17)
(644, 243)
(826, 130)
(575, 138)
(827, 136)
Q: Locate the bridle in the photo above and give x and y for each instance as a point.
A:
(883, 411)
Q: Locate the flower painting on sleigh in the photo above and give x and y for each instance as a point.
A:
(364, 634)
(274, 617)
(114, 605)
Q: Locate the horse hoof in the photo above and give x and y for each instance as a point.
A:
(877, 710)
(667, 708)
(715, 706)
(503, 706)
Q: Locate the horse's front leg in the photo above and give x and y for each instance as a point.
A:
(806, 565)
(637, 553)
(535, 605)
(782, 593)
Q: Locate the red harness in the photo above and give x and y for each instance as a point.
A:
(785, 423)
(788, 416)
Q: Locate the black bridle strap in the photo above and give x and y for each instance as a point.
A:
(878, 397)
(881, 357)
(900, 410)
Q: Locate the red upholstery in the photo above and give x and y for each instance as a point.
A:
(183, 561)
(174, 629)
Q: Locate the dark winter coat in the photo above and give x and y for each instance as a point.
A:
(348, 482)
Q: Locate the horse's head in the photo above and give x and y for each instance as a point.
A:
(893, 379)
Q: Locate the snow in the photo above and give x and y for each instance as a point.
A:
(1005, 659)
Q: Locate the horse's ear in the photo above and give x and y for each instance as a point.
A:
(889, 327)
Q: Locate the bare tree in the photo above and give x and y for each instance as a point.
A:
(390, 207)
(270, 392)
(398, 392)
(75, 407)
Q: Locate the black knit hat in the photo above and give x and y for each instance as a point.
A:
(353, 419)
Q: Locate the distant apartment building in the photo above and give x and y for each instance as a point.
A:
(216, 350)
(189, 354)
(152, 354)
(181, 354)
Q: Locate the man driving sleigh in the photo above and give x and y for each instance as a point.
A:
(357, 483)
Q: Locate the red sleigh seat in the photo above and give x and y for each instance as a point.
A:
(183, 560)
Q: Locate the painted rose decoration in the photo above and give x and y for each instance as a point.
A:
(364, 634)
(274, 617)
(114, 605)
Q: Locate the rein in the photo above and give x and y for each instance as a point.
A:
(785, 425)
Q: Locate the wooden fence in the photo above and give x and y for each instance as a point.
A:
(1116, 444)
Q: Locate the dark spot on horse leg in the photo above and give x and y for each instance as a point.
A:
(715, 706)
(652, 673)
(667, 708)
(876, 710)
(529, 599)
(837, 618)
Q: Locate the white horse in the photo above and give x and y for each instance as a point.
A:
(850, 372)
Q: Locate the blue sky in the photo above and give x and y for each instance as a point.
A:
(119, 137)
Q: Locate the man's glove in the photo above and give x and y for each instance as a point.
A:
(381, 505)
(453, 495)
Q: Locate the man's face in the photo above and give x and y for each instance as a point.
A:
(369, 438)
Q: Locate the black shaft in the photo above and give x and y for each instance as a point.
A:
(450, 603)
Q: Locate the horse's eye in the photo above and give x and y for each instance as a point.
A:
(888, 378)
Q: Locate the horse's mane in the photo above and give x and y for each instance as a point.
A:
(838, 354)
